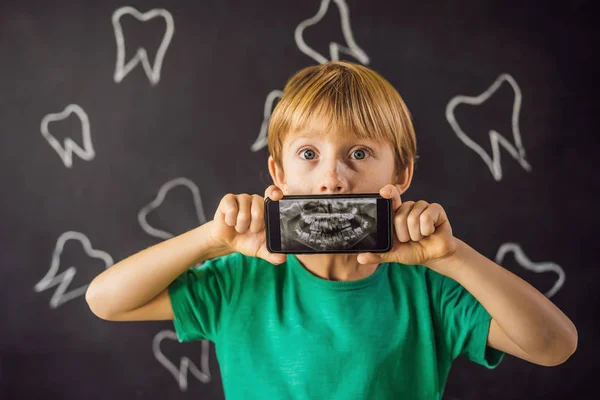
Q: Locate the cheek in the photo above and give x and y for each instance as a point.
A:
(298, 186)
(372, 182)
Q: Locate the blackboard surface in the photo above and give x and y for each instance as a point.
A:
(105, 151)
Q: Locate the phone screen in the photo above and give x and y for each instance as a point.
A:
(329, 224)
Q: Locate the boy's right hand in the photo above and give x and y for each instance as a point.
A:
(239, 223)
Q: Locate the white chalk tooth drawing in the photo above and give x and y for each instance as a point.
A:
(66, 153)
(160, 197)
(538, 267)
(185, 364)
(335, 49)
(64, 279)
(262, 140)
(141, 55)
(496, 139)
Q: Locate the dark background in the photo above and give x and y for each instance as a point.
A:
(200, 121)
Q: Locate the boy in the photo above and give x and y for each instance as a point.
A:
(336, 326)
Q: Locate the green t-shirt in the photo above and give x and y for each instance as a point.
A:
(281, 332)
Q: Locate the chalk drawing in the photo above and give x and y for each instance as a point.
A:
(516, 150)
(185, 364)
(526, 263)
(335, 49)
(160, 198)
(66, 153)
(64, 279)
(141, 56)
(262, 140)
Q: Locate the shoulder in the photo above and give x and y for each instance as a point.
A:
(236, 266)
(415, 275)
(420, 280)
(229, 261)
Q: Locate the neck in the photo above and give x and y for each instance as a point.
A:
(336, 267)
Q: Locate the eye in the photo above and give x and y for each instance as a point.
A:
(361, 153)
(310, 154)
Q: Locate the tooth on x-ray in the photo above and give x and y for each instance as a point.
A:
(66, 153)
(64, 279)
(141, 55)
(526, 263)
(185, 364)
(496, 139)
(160, 197)
(262, 140)
(352, 48)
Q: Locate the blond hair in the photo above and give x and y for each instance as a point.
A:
(353, 99)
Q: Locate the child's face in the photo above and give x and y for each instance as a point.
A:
(314, 163)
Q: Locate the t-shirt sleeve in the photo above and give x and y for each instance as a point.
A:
(202, 296)
(465, 324)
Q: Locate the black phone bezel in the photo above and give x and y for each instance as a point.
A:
(384, 230)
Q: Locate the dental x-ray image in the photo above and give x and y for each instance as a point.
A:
(328, 224)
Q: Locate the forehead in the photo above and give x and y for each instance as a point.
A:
(319, 132)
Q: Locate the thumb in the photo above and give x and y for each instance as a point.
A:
(369, 258)
(273, 258)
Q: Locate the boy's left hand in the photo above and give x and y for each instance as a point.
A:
(421, 232)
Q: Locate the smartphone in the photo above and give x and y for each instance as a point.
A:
(337, 223)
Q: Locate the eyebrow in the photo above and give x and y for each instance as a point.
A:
(295, 139)
(371, 142)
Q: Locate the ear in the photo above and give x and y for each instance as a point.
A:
(276, 172)
(404, 179)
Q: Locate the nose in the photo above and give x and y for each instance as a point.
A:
(333, 180)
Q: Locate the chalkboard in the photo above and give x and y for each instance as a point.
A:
(125, 124)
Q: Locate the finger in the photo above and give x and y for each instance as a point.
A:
(414, 220)
(257, 212)
(243, 216)
(228, 208)
(391, 192)
(429, 219)
(273, 192)
(400, 221)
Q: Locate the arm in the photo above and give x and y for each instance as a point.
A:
(136, 287)
(524, 322)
